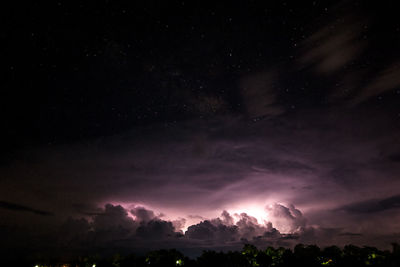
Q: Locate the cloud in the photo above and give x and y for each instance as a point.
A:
(212, 230)
(249, 226)
(113, 217)
(319, 161)
(260, 94)
(179, 223)
(287, 219)
(350, 234)
(385, 80)
(373, 205)
(242, 228)
(226, 218)
(142, 214)
(22, 208)
(334, 46)
(157, 230)
(337, 50)
(114, 227)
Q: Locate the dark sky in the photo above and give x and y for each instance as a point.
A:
(146, 124)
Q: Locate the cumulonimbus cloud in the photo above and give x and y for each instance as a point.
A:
(116, 225)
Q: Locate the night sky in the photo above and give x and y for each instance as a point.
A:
(162, 124)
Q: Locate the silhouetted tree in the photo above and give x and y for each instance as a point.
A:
(249, 256)
(165, 258)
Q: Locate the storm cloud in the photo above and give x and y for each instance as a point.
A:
(114, 228)
(252, 169)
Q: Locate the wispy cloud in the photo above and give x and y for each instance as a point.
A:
(22, 208)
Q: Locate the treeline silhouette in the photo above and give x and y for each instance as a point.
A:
(249, 256)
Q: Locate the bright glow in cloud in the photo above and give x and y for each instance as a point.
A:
(284, 218)
(256, 211)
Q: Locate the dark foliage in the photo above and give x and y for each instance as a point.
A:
(250, 256)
